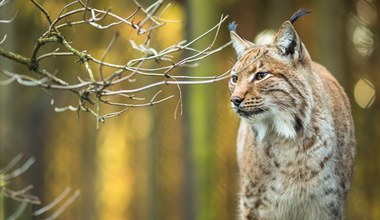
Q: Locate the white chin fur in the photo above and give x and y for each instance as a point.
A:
(282, 123)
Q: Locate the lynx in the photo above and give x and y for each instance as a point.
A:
(295, 143)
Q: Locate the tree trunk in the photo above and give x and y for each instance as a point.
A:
(330, 32)
(198, 108)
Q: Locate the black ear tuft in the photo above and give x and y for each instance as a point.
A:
(232, 26)
(298, 14)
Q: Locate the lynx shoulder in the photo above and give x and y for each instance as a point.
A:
(296, 142)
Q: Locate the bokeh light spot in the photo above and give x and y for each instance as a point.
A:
(265, 37)
(364, 93)
(363, 40)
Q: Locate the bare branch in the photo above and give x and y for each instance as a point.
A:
(105, 78)
(3, 2)
(9, 20)
(18, 171)
(65, 205)
(15, 195)
(42, 10)
(18, 195)
(107, 50)
(3, 40)
(67, 108)
(51, 205)
(150, 103)
(14, 56)
(115, 114)
(12, 163)
(23, 195)
(150, 11)
(19, 210)
(168, 82)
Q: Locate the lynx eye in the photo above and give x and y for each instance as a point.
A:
(234, 79)
(261, 75)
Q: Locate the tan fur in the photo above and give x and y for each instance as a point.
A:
(296, 140)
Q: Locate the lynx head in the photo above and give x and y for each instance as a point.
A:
(269, 83)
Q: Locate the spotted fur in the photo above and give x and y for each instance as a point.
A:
(296, 142)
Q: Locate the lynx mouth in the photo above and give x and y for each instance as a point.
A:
(250, 112)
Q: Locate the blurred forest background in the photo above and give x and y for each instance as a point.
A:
(146, 164)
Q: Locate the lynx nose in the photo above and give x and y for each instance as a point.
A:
(236, 100)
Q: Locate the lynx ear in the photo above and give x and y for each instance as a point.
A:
(239, 44)
(288, 41)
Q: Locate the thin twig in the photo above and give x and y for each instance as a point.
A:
(3, 2)
(20, 197)
(9, 20)
(106, 51)
(19, 171)
(64, 205)
(3, 40)
(168, 82)
(51, 205)
(138, 105)
(150, 11)
(19, 210)
(66, 108)
(11, 164)
(115, 114)
(43, 11)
